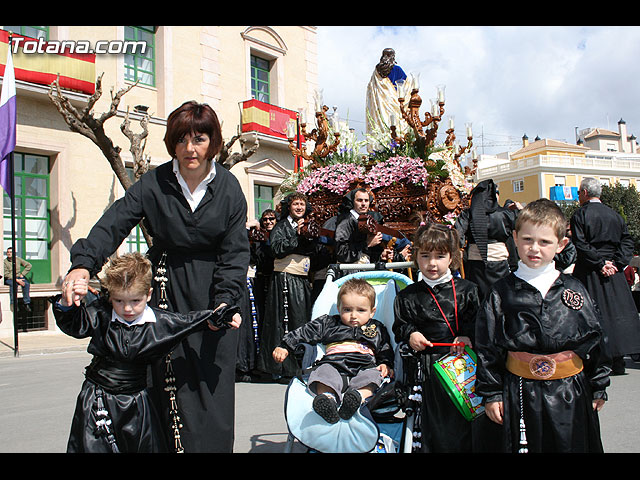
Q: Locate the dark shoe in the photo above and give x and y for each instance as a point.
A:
(326, 407)
(351, 402)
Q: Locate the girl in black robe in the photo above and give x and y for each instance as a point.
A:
(442, 310)
(201, 256)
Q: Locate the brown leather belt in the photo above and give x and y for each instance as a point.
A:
(544, 367)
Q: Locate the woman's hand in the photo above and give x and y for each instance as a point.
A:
(69, 294)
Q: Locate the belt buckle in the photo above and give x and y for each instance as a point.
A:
(542, 366)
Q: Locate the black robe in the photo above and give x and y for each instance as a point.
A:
(285, 241)
(119, 351)
(558, 414)
(600, 234)
(444, 429)
(253, 307)
(207, 256)
(500, 225)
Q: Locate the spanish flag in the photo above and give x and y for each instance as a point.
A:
(269, 119)
(77, 71)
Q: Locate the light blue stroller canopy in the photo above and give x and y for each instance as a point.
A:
(360, 433)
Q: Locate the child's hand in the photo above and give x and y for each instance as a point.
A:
(279, 354)
(459, 349)
(598, 403)
(385, 371)
(418, 342)
(495, 411)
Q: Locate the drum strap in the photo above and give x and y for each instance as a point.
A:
(455, 303)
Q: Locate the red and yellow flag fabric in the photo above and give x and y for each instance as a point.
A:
(77, 71)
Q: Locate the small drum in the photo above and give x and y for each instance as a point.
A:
(457, 374)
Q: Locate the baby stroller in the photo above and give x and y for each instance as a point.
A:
(379, 425)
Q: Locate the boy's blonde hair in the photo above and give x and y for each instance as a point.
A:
(439, 238)
(359, 286)
(543, 212)
(131, 271)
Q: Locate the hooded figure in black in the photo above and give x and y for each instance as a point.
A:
(288, 303)
(484, 229)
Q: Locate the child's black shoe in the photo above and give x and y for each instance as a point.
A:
(326, 407)
(351, 401)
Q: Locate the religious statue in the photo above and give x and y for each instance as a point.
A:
(383, 107)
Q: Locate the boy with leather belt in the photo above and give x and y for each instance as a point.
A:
(543, 365)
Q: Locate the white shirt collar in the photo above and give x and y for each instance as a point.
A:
(443, 279)
(541, 278)
(194, 198)
(292, 222)
(148, 316)
(355, 214)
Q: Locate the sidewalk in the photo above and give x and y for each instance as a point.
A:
(39, 343)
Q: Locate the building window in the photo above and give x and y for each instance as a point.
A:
(260, 79)
(135, 241)
(560, 181)
(31, 32)
(605, 181)
(624, 182)
(263, 198)
(31, 181)
(518, 186)
(140, 66)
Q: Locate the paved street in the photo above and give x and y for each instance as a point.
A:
(38, 392)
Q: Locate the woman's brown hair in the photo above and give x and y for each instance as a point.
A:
(192, 117)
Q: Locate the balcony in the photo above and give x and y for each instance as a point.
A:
(629, 165)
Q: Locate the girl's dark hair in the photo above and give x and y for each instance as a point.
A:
(192, 117)
(440, 238)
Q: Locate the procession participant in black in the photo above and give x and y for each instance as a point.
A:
(484, 229)
(288, 304)
(114, 412)
(352, 245)
(604, 247)
(196, 212)
(543, 367)
(260, 269)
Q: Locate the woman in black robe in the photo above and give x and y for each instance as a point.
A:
(288, 304)
(201, 254)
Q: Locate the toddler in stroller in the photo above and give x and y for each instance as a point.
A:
(348, 355)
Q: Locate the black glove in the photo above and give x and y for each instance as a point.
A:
(222, 316)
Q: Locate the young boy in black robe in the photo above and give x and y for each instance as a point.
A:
(114, 412)
(542, 359)
(358, 352)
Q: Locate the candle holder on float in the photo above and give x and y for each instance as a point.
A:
(319, 135)
(425, 130)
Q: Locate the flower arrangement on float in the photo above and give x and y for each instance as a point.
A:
(408, 174)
